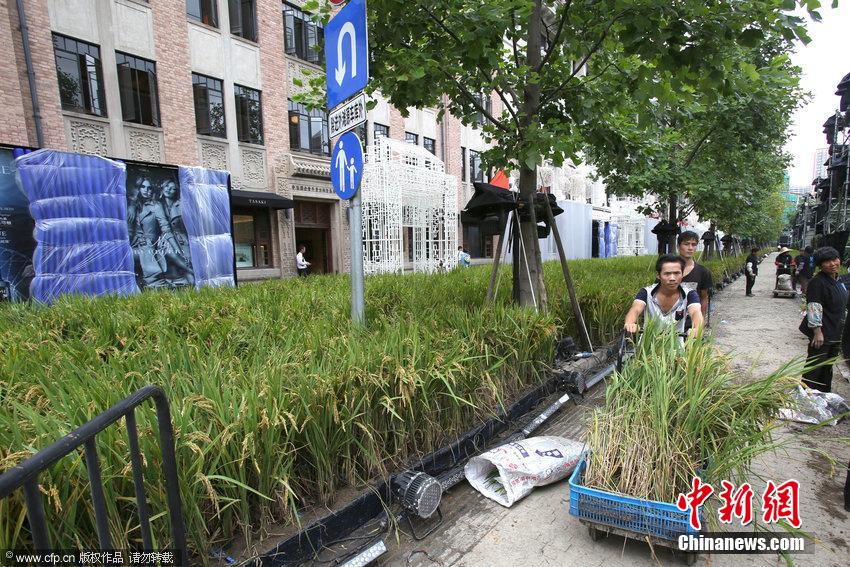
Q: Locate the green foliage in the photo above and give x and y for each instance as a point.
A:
(718, 153)
(636, 54)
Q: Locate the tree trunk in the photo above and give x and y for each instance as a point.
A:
(673, 216)
(528, 277)
(531, 290)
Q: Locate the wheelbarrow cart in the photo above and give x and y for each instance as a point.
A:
(784, 286)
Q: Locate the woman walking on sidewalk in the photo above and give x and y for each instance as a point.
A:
(824, 320)
(752, 270)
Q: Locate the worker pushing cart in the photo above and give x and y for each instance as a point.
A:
(785, 267)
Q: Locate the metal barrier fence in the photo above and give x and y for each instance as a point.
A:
(25, 475)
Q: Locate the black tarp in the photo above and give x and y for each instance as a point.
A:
(488, 200)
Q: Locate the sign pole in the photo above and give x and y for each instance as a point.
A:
(358, 314)
(347, 74)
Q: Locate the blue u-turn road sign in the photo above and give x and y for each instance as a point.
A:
(346, 53)
(347, 165)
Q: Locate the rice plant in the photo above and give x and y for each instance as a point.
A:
(277, 400)
(674, 412)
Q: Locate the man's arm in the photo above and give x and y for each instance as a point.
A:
(695, 313)
(703, 302)
(814, 314)
(632, 316)
(707, 285)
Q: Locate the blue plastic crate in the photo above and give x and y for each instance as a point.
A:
(646, 517)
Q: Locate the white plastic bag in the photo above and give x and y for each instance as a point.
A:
(783, 282)
(508, 473)
(813, 406)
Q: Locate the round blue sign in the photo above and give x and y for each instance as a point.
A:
(347, 165)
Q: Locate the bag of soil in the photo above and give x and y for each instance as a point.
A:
(508, 473)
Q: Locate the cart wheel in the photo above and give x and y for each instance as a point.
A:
(593, 533)
(690, 558)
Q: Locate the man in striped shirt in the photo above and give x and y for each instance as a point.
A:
(667, 300)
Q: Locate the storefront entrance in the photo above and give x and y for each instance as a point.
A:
(313, 230)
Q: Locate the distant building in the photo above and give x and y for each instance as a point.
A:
(819, 169)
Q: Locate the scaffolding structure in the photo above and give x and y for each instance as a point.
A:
(405, 190)
(836, 194)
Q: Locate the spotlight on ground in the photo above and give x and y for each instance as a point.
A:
(419, 495)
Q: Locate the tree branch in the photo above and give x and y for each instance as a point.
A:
(513, 39)
(553, 44)
(696, 148)
(597, 44)
(465, 92)
(498, 91)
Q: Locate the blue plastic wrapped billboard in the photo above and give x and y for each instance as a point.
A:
(102, 227)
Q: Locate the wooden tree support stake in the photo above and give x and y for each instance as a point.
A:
(585, 336)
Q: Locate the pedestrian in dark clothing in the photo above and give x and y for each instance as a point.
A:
(696, 276)
(824, 320)
(752, 270)
(805, 268)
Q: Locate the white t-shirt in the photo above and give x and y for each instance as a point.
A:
(300, 262)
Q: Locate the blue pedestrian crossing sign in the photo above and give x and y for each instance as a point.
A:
(346, 53)
(347, 165)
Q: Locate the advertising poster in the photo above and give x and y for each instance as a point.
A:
(157, 233)
(16, 235)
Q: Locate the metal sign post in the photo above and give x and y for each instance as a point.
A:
(347, 74)
(358, 302)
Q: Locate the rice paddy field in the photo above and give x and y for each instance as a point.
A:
(276, 401)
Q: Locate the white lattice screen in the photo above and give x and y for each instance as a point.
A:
(405, 186)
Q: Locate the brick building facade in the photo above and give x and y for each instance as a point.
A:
(221, 74)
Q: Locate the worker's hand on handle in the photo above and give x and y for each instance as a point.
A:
(817, 340)
(631, 328)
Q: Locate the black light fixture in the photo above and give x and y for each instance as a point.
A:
(419, 495)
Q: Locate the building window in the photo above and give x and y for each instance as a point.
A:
(205, 11)
(243, 19)
(380, 130)
(252, 238)
(430, 144)
(475, 171)
(485, 101)
(308, 130)
(249, 115)
(137, 85)
(209, 106)
(463, 164)
(80, 75)
(411, 138)
(362, 132)
(302, 37)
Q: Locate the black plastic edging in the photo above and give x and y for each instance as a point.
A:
(303, 545)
